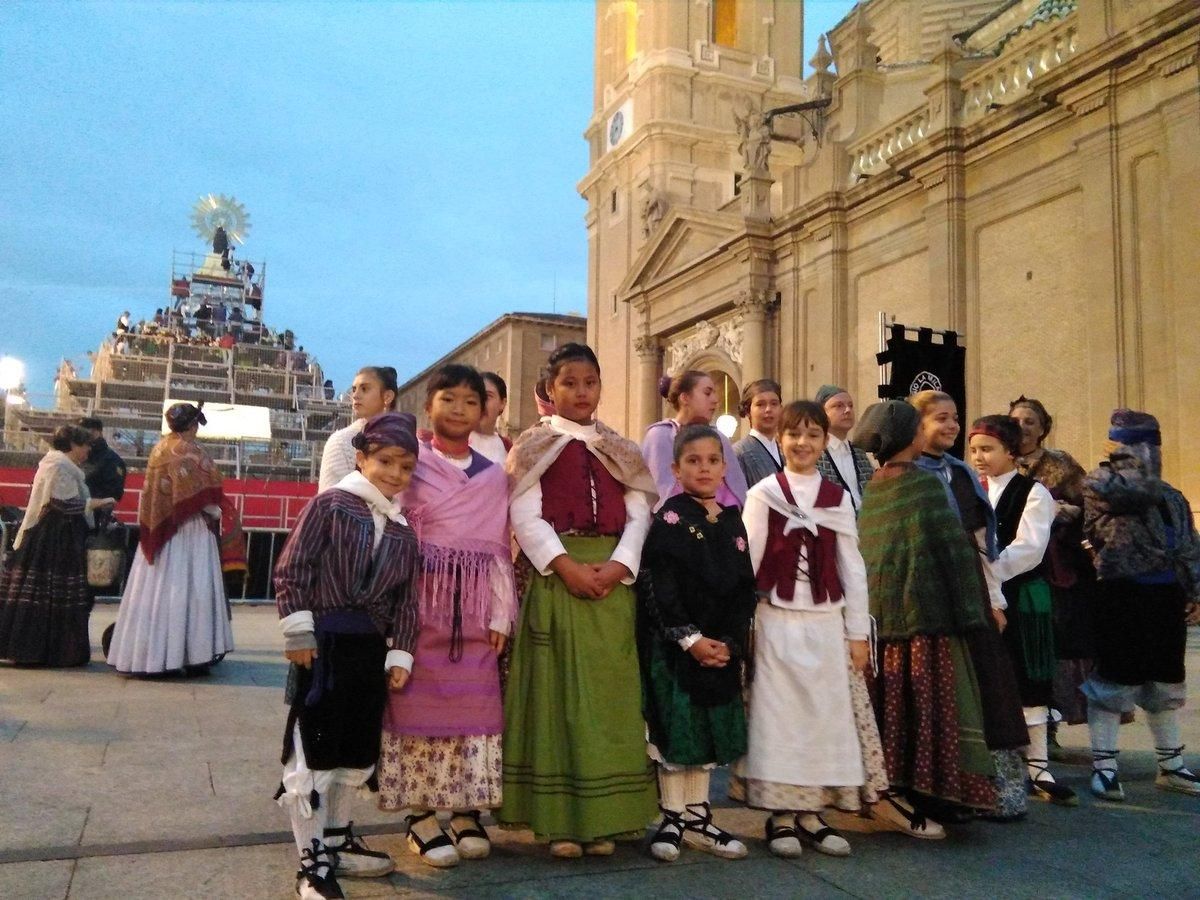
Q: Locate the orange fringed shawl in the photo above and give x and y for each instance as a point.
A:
(180, 481)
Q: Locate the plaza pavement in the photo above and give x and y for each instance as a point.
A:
(113, 787)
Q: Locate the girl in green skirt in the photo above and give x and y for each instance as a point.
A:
(575, 764)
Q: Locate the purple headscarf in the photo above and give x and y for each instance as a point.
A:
(388, 429)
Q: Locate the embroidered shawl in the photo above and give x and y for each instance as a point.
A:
(181, 480)
(461, 523)
(539, 446)
(233, 540)
(57, 478)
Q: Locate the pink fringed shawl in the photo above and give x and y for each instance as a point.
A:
(462, 525)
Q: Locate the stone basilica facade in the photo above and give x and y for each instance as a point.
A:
(1024, 172)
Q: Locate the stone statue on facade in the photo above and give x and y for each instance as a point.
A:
(654, 208)
(755, 133)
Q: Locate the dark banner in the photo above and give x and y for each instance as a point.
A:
(920, 364)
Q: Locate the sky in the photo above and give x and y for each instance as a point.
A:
(409, 167)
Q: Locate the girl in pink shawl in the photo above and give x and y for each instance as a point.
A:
(442, 733)
(694, 397)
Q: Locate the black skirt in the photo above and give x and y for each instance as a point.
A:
(44, 597)
(1141, 632)
(1003, 718)
(341, 723)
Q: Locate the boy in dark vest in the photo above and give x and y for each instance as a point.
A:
(1024, 515)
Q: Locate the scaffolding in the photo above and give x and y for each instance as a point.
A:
(209, 343)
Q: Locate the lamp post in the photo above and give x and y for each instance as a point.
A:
(12, 383)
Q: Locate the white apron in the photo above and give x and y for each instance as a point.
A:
(801, 722)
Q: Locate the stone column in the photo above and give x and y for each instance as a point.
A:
(649, 353)
(752, 306)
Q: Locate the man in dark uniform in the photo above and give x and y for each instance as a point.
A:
(104, 470)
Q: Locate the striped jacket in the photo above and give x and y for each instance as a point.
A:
(328, 565)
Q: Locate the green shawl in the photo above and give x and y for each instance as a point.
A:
(923, 575)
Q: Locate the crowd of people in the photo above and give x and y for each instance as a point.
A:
(201, 323)
(571, 631)
(843, 612)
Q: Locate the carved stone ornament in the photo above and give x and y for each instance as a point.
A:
(753, 302)
(726, 337)
(654, 208)
(647, 345)
(730, 339)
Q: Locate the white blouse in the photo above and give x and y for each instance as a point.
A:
(843, 458)
(490, 445)
(541, 542)
(337, 460)
(852, 572)
(1033, 532)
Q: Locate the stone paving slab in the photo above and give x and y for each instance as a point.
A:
(118, 787)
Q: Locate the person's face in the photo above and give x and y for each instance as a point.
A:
(701, 467)
(940, 426)
(94, 435)
(700, 402)
(989, 456)
(389, 469)
(454, 412)
(802, 446)
(575, 391)
(840, 409)
(1031, 428)
(764, 412)
(367, 396)
(78, 453)
(492, 409)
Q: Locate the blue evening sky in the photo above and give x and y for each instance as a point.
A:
(409, 168)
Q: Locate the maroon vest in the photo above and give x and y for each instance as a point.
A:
(567, 498)
(782, 555)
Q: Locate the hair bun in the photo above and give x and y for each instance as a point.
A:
(664, 386)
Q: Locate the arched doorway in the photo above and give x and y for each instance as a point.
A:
(728, 396)
(726, 375)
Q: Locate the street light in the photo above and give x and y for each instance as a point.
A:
(12, 373)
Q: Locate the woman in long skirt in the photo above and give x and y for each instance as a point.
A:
(44, 597)
(173, 613)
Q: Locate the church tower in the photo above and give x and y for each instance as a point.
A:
(670, 75)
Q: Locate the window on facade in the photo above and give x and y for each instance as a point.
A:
(549, 340)
(737, 184)
(724, 22)
(630, 17)
(612, 201)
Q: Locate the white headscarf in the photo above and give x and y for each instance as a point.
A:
(57, 478)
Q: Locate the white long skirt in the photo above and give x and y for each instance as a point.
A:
(801, 728)
(173, 613)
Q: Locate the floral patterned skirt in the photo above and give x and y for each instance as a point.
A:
(448, 773)
(927, 702)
